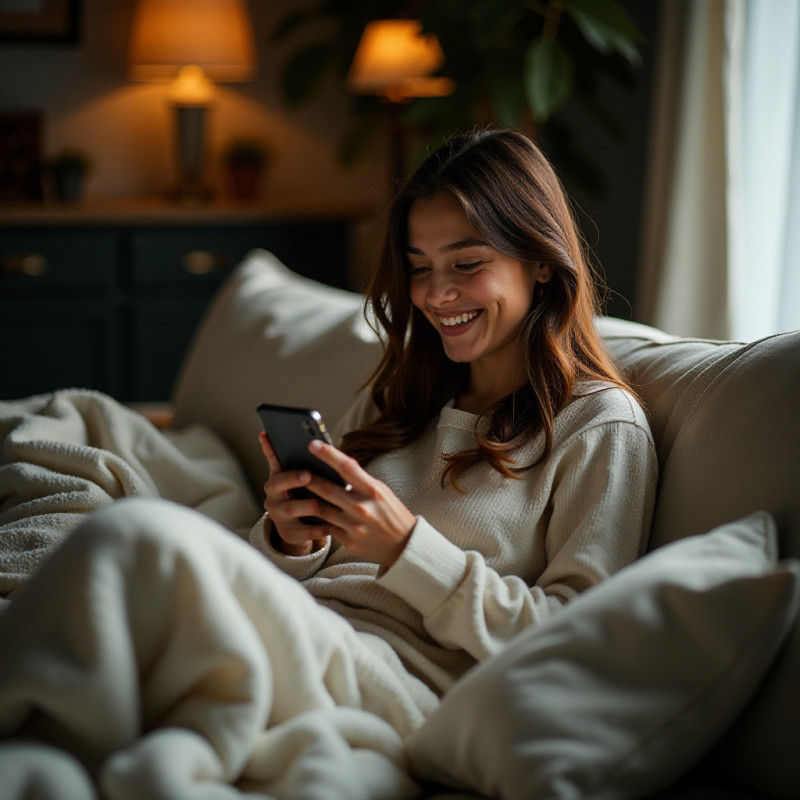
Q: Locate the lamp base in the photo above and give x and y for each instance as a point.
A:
(190, 153)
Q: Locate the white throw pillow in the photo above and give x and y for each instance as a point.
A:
(620, 693)
(272, 336)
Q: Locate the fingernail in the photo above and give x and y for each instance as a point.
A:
(315, 444)
(304, 476)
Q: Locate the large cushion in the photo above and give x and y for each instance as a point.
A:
(271, 336)
(628, 686)
(726, 421)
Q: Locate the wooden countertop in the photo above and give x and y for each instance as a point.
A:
(157, 211)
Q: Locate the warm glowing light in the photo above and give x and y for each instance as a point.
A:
(167, 35)
(191, 87)
(395, 59)
(192, 43)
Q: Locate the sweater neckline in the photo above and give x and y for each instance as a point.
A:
(452, 417)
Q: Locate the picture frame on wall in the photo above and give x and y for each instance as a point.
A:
(39, 21)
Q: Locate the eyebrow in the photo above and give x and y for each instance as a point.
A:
(449, 248)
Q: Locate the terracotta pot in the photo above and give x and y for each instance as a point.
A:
(243, 180)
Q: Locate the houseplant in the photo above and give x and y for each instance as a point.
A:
(516, 63)
(245, 159)
(68, 169)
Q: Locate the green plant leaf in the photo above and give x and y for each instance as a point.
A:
(305, 72)
(549, 77)
(607, 27)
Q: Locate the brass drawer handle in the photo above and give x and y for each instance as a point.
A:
(30, 264)
(202, 262)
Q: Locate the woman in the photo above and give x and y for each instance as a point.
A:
(498, 465)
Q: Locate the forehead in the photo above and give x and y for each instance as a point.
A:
(437, 221)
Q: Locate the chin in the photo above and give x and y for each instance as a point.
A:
(459, 357)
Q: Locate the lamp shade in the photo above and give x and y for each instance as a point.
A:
(215, 35)
(394, 58)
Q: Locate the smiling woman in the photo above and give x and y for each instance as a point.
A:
(474, 295)
(483, 228)
(498, 465)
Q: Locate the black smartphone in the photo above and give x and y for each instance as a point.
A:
(290, 430)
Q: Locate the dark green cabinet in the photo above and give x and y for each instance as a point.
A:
(113, 306)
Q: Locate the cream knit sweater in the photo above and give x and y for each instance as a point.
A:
(482, 565)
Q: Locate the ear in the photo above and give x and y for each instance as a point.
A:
(543, 273)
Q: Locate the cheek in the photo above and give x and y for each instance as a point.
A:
(416, 293)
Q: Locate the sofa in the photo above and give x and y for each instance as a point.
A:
(673, 679)
(725, 417)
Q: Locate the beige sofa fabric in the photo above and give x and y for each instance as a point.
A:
(726, 420)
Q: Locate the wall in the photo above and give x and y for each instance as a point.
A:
(126, 126)
(612, 222)
(88, 102)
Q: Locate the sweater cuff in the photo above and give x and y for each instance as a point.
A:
(428, 571)
(299, 567)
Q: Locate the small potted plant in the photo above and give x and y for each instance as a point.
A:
(245, 158)
(69, 169)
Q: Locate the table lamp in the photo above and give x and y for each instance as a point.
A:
(395, 61)
(191, 43)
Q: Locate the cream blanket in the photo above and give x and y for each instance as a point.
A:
(67, 454)
(157, 655)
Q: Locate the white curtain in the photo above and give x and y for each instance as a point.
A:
(721, 250)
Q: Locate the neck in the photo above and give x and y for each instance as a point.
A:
(488, 384)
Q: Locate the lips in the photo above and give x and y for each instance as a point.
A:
(454, 324)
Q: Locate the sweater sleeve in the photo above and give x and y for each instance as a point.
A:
(300, 567)
(601, 502)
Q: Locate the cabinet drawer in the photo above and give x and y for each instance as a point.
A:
(191, 255)
(56, 258)
(317, 249)
(54, 345)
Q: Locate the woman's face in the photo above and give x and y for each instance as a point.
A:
(475, 297)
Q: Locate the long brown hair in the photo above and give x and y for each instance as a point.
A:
(513, 198)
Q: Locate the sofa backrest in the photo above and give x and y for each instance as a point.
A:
(725, 416)
(270, 335)
(726, 420)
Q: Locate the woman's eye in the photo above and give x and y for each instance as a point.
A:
(417, 270)
(468, 266)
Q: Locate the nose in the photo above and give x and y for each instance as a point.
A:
(441, 288)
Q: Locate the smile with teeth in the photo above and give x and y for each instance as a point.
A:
(458, 319)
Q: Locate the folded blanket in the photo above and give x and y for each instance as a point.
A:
(67, 454)
(157, 656)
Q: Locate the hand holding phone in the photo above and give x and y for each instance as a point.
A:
(367, 518)
(290, 430)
